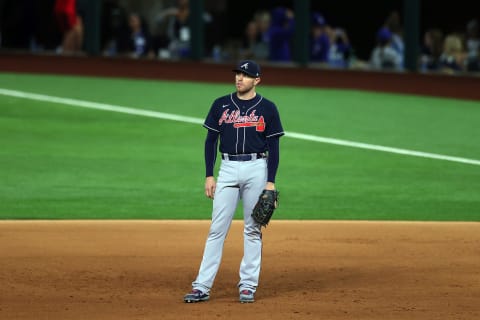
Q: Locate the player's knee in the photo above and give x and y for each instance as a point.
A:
(217, 233)
(252, 232)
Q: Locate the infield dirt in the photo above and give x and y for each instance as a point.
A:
(311, 270)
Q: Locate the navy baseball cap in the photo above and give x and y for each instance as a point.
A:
(248, 67)
(318, 20)
(384, 34)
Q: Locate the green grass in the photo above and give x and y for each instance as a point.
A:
(59, 161)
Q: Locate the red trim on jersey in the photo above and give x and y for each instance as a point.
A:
(260, 124)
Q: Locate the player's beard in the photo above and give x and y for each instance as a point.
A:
(245, 89)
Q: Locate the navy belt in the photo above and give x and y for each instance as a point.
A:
(243, 157)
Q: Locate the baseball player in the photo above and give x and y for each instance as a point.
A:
(248, 127)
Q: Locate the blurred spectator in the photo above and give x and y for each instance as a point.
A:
(384, 56)
(263, 19)
(136, 42)
(280, 34)
(174, 39)
(255, 39)
(340, 49)
(453, 56)
(250, 39)
(320, 41)
(174, 42)
(431, 50)
(71, 26)
(473, 46)
(329, 45)
(394, 24)
(252, 45)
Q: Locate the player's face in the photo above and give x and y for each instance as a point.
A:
(245, 83)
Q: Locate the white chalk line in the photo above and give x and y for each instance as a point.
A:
(174, 117)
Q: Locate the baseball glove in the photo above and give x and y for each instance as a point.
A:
(266, 204)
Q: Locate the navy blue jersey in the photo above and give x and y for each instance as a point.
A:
(244, 125)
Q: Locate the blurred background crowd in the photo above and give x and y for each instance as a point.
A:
(342, 34)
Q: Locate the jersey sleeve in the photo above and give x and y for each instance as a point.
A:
(273, 157)
(211, 121)
(211, 143)
(274, 127)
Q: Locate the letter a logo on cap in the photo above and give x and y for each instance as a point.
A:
(244, 66)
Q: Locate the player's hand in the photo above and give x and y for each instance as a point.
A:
(270, 186)
(210, 185)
